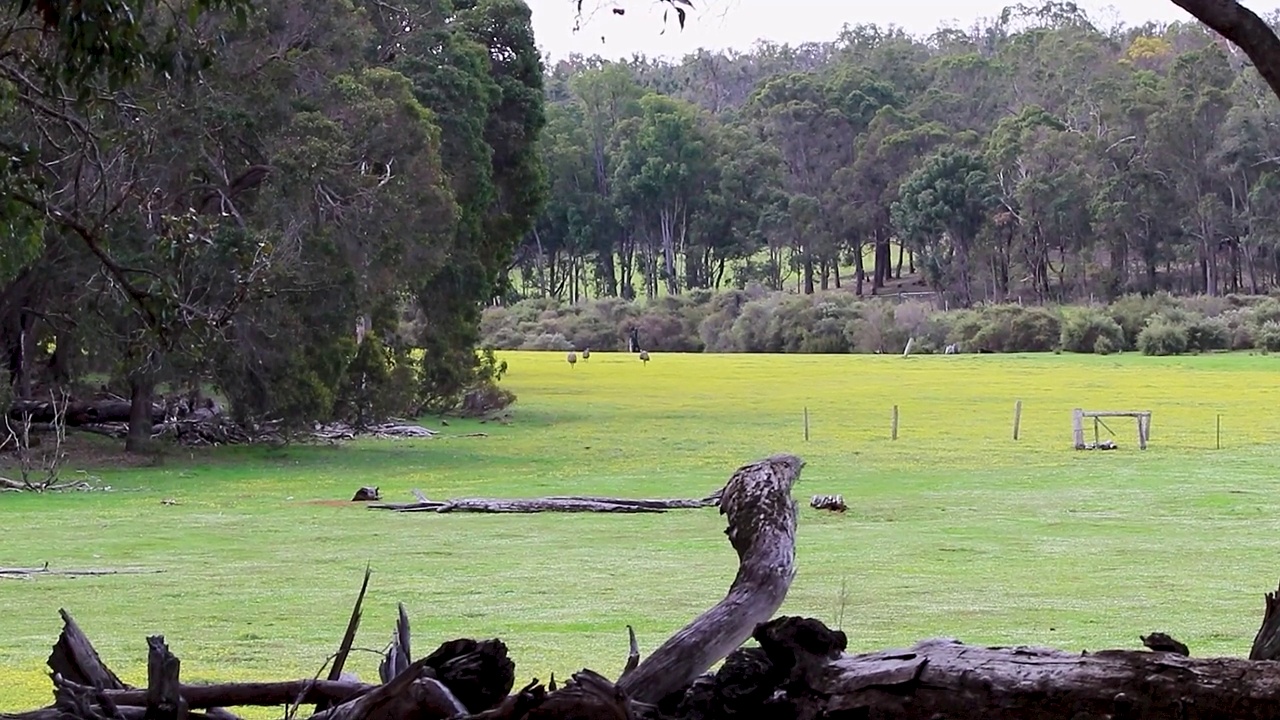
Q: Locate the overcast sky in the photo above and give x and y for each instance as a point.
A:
(716, 24)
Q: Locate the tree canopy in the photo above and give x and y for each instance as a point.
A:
(303, 204)
(1039, 156)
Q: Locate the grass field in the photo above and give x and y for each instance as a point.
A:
(953, 529)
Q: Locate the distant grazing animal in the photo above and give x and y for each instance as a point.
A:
(586, 354)
(573, 358)
(644, 356)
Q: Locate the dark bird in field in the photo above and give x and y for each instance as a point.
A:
(586, 354)
(644, 356)
(573, 358)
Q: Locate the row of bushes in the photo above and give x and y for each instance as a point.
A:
(760, 321)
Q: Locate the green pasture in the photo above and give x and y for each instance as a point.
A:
(953, 529)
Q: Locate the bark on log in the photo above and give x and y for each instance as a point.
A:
(164, 692)
(478, 673)
(1266, 644)
(75, 659)
(259, 694)
(761, 527)
(945, 678)
(413, 694)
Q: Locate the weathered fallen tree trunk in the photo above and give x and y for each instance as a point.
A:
(762, 529)
(546, 504)
(945, 678)
(78, 413)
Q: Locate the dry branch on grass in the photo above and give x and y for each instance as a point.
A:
(555, 503)
(27, 573)
(39, 469)
(799, 671)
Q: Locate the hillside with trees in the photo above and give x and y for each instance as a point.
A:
(1039, 159)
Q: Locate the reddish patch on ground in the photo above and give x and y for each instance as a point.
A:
(82, 451)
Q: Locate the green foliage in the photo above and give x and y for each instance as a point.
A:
(1162, 336)
(1082, 328)
(119, 40)
(837, 322)
(1206, 334)
(1132, 312)
(1268, 336)
(1013, 328)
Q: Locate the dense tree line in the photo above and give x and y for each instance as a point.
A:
(305, 204)
(1039, 157)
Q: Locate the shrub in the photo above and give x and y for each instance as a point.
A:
(593, 330)
(1131, 313)
(1268, 336)
(876, 329)
(716, 329)
(1013, 328)
(1106, 346)
(750, 331)
(665, 331)
(547, 341)
(1208, 333)
(1081, 328)
(1265, 311)
(963, 326)
(1162, 336)
(1207, 305)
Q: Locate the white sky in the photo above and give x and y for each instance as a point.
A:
(717, 24)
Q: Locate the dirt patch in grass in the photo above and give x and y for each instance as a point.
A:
(83, 452)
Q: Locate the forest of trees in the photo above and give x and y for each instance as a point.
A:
(303, 204)
(1038, 158)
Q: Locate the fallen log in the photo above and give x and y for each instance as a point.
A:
(27, 573)
(946, 678)
(78, 412)
(253, 694)
(560, 503)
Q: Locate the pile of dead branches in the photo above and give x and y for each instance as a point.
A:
(798, 669)
(188, 422)
(218, 431)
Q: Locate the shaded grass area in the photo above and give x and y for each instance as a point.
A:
(953, 529)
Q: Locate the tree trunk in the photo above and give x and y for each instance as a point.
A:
(141, 391)
(808, 274)
(859, 272)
